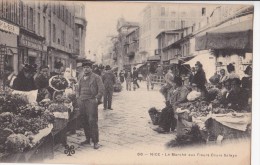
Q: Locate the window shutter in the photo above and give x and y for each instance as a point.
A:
(25, 15)
(34, 18)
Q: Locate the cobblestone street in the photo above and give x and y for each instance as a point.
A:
(127, 128)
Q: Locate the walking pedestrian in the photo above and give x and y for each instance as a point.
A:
(149, 81)
(121, 76)
(91, 90)
(109, 79)
(128, 79)
(135, 78)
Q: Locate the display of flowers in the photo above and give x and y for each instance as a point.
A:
(58, 83)
(12, 102)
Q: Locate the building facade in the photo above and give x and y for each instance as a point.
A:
(206, 40)
(123, 28)
(47, 33)
(161, 17)
(132, 48)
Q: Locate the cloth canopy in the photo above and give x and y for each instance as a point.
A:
(237, 36)
(207, 60)
(139, 65)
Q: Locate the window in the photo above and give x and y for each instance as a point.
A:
(59, 10)
(44, 26)
(30, 19)
(162, 25)
(182, 24)
(173, 13)
(39, 24)
(54, 33)
(77, 31)
(203, 11)
(162, 11)
(49, 30)
(183, 14)
(63, 13)
(66, 16)
(172, 24)
(54, 8)
(62, 38)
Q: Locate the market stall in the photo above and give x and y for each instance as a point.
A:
(29, 129)
(214, 123)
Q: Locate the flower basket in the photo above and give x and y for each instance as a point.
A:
(58, 83)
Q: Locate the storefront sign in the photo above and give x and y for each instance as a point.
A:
(9, 28)
(30, 42)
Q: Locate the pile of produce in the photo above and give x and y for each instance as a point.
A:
(57, 107)
(19, 121)
(58, 83)
(202, 108)
(12, 102)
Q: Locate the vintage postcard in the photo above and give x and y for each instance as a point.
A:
(87, 82)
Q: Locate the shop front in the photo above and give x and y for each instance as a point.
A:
(231, 44)
(59, 59)
(32, 49)
(8, 46)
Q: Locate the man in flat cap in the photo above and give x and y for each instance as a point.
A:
(90, 92)
(109, 79)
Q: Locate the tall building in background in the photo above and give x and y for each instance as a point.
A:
(160, 17)
(123, 28)
(80, 29)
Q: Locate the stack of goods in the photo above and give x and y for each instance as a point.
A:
(21, 122)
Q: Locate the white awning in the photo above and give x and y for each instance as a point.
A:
(139, 65)
(208, 62)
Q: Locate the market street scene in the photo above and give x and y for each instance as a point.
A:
(125, 82)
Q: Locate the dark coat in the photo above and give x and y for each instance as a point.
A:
(238, 100)
(135, 74)
(22, 83)
(109, 79)
(200, 79)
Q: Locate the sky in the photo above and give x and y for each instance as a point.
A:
(102, 20)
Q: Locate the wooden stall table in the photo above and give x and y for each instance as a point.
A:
(226, 126)
(42, 150)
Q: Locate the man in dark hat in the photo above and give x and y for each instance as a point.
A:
(90, 92)
(25, 80)
(109, 79)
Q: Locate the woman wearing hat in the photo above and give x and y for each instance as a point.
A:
(25, 80)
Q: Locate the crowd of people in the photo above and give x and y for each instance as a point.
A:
(90, 86)
(230, 91)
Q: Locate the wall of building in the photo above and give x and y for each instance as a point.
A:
(157, 18)
(49, 23)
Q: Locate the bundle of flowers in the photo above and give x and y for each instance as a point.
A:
(58, 83)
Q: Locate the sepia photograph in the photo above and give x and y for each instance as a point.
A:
(107, 83)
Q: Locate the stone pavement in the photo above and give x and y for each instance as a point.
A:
(127, 137)
(127, 128)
